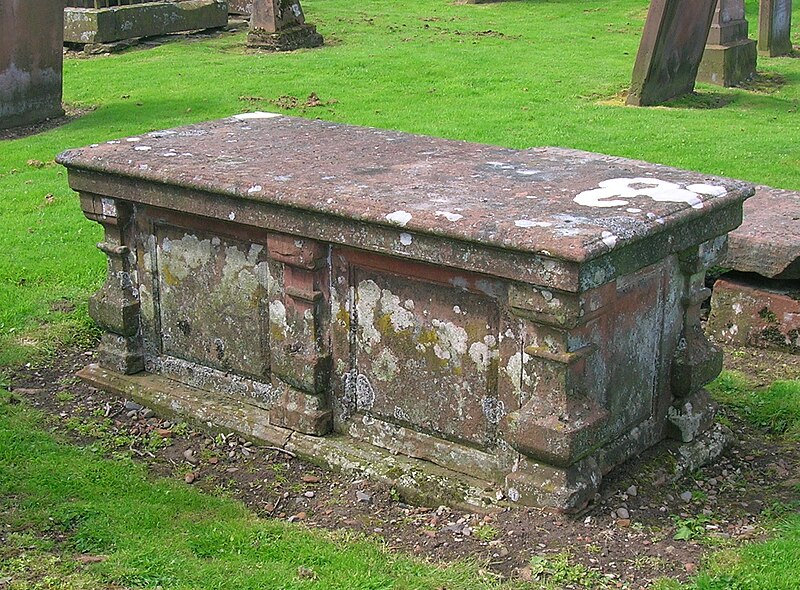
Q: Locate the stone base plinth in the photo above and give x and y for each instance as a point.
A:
(758, 312)
(303, 36)
(728, 65)
(106, 25)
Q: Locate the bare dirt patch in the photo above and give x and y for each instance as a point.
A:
(639, 527)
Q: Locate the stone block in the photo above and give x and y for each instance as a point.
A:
(31, 59)
(728, 65)
(670, 51)
(106, 25)
(752, 311)
(523, 319)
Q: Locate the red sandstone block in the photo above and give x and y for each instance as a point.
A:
(756, 313)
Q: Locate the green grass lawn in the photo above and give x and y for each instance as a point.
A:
(168, 535)
(516, 73)
(520, 74)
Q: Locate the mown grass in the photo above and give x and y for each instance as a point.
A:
(775, 408)
(60, 502)
(519, 74)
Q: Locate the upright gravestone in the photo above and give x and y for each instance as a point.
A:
(730, 56)
(279, 25)
(31, 57)
(774, 27)
(670, 51)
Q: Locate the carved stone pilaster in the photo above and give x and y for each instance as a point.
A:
(697, 361)
(299, 346)
(115, 307)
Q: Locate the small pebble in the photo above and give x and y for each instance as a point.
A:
(309, 494)
(132, 405)
(632, 491)
(308, 478)
(148, 413)
(686, 496)
(623, 513)
(363, 497)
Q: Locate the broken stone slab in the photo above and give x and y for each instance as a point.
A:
(150, 19)
(279, 25)
(527, 319)
(768, 241)
(670, 51)
(729, 57)
(31, 58)
(757, 312)
(774, 27)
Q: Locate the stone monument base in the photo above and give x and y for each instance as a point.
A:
(297, 37)
(728, 65)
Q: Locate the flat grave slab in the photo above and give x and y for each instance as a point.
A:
(768, 241)
(420, 310)
(107, 22)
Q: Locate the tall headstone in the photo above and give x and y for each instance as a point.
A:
(31, 59)
(730, 56)
(774, 27)
(672, 46)
(279, 25)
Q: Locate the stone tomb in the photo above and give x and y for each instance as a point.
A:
(107, 21)
(469, 322)
(31, 49)
(670, 51)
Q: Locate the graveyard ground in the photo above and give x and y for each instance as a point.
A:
(95, 492)
(514, 73)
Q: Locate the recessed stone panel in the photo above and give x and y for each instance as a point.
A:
(212, 300)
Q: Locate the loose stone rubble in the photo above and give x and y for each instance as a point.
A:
(30, 62)
(470, 322)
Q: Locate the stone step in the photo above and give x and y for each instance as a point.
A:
(418, 481)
